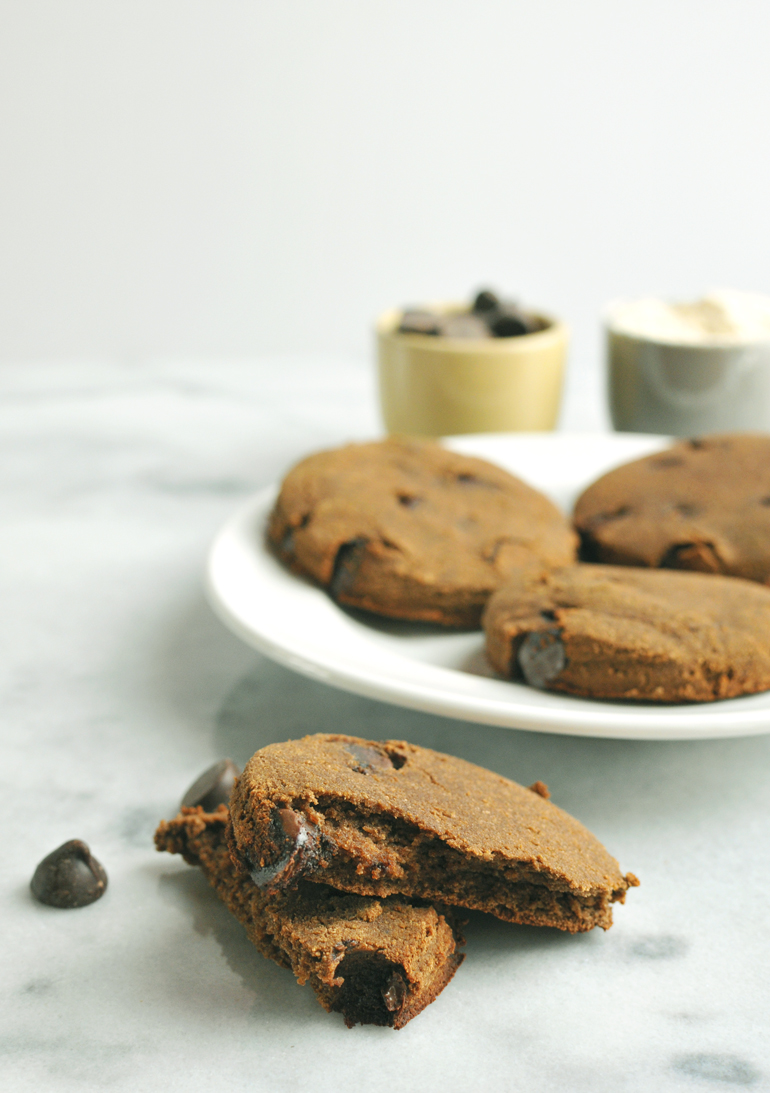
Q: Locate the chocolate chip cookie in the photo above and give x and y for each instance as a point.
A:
(374, 961)
(389, 818)
(622, 633)
(410, 530)
(701, 504)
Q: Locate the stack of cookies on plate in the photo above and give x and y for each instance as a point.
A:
(657, 593)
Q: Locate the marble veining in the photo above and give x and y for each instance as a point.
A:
(118, 687)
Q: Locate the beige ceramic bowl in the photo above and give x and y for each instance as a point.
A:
(436, 386)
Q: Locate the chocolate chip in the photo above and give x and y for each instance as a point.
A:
(486, 300)
(409, 501)
(605, 517)
(345, 945)
(213, 788)
(299, 841)
(349, 558)
(541, 657)
(589, 550)
(369, 759)
(508, 322)
(372, 990)
(394, 992)
(287, 542)
(291, 822)
(419, 322)
(701, 557)
(69, 877)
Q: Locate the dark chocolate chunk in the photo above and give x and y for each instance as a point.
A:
(291, 823)
(213, 788)
(541, 657)
(394, 992)
(702, 557)
(69, 877)
(485, 301)
(299, 841)
(508, 322)
(346, 564)
(373, 989)
(369, 759)
(419, 322)
(287, 543)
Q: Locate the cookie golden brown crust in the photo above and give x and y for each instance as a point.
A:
(380, 818)
(410, 530)
(702, 505)
(375, 961)
(620, 633)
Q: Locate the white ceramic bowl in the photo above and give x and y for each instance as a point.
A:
(681, 389)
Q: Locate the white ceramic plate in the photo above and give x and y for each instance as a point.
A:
(429, 668)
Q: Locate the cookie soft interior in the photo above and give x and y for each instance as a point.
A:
(390, 817)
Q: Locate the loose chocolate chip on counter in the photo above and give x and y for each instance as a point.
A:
(464, 326)
(419, 322)
(69, 877)
(486, 300)
(369, 759)
(541, 657)
(213, 788)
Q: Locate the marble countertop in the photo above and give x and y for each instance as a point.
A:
(119, 687)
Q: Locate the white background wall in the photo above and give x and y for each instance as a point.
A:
(235, 177)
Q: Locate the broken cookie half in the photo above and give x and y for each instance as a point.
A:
(375, 961)
(390, 819)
